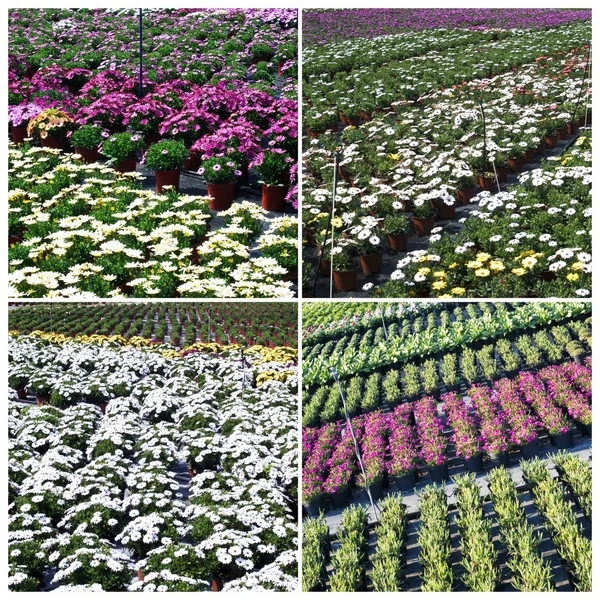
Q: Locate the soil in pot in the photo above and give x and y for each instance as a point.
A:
(221, 195)
(88, 155)
(423, 226)
(530, 449)
(398, 243)
(273, 197)
(371, 263)
(165, 178)
(562, 441)
(439, 473)
(345, 281)
(19, 134)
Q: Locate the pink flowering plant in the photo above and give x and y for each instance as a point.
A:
(562, 392)
(521, 422)
(342, 465)
(373, 448)
(313, 470)
(145, 116)
(220, 170)
(273, 166)
(551, 416)
(402, 441)
(464, 430)
(491, 422)
(120, 146)
(430, 432)
(188, 125)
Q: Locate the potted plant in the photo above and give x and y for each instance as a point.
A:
(370, 253)
(19, 116)
(121, 150)
(445, 206)
(50, 127)
(273, 167)
(423, 218)
(220, 174)
(466, 190)
(345, 270)
(86, 140)
(308, 275)
(167, 158)
(395, 228)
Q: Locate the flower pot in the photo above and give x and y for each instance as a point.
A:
(572, 128)
(102, 406)
(151, 138)
(221, 195)
(21, 394)
(140, 575)
(291, 275)
(466, 194)
(52, 142)
(371, 263)
(474, 464)
(529, 156)
(516, 164)
(314, 507)
(165, 178)
(41, 400)
(398, 243)
(376, 490)
(30, 72)
(488, 183)
(341, 498)
(192, 163)
(551, 141)
(439, 473)
(530, 449)
(562, 132)
(19, 134)
(216, 585)
(498, 459)
(586, 429)
(408, 481)
(325, 267)
(345, 281)
(562, 441)
(423, 226)
(127, 165)
(88, 156)
(445, 212)
(502, 174)
(308, 293)
(273, 197)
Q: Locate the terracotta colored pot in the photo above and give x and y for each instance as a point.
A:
(40, 401)
(164, 178)
(52, 142)
(529, 156)
(572, 128)
(21, 394)
(398, 243)
(102, 406)
(307, 293)
(192, 163)
(466, 194)
(151, 138)
(502, 173)
(371, 263)
(127, 165)
(488, 183)
(539, 151)
(19, 134)
(140, 575)
(309, 236)
(221, 195)
(445, 212)
(216, 585)
(423, 226)
(30, 72)
(89, 156)
(551, 141)
(291, 275)
(273, 197)
(325, 267)
(345, 281)
(562, 132)
(516, 164)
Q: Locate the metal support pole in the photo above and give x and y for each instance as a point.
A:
(585, 73)
(243, 374)
(141, 92)
(356, 448)
(384, 327)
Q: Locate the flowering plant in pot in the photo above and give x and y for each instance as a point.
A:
(345, 269)
(19, 116)
(423, 216)
(396, 229)
(121, 149)
(145, 116)
(368, 245)
(464, 431)
(273, 167)
(283, 249)
(86, 140)
(220, 174)
(167, 158)
(51, 127)
(445, 204)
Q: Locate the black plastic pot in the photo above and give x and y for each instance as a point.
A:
(474, 464)
(341, 498)
(530, 449)
(314, 507)
(562, 441)
(439, 473)
(407, 482)
(586, 429)
(498, 459)
(376, 490)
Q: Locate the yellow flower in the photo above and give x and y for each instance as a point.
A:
(453, 265)
(337, 222)
(439, 285)
(474, 264)
(458, 291)
(482, 272)
(439, 273)
(422, 258)
(519, 272)
(577, 266)
(483, 256)
(423, 270)
(394, 156)
(573, 276)
(496, 265)
(529, 262)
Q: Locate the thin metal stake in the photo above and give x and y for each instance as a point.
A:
(356, 448)
(141, 92)
(384, 327)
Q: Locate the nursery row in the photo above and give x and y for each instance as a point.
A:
(420, 552)
(180, 325)
(468, 366)
(405, 176)
(322, 26)
(179, 479)
(85, 230)
(422, 435)
(372, 351)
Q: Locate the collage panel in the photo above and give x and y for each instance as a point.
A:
(446, 446)
(153, 447)
(446, 153)
(153, 153)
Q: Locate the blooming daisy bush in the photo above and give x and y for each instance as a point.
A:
(412, 145)
(83, 231)
(179, 477)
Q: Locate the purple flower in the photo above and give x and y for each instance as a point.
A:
(164, 152)
(217, 167)
(201, 171)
